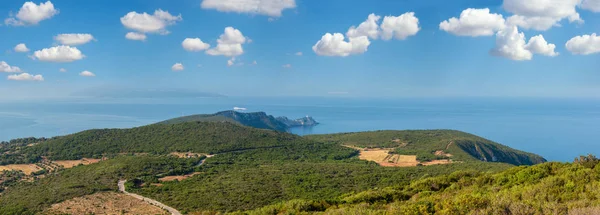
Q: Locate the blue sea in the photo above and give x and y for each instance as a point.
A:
(558, 129)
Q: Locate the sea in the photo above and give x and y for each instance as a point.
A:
(557, 129)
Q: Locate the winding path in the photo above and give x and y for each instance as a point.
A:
(171, 210)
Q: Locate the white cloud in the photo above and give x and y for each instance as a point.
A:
(334, 45)
(254, 63)
(298, 54)
(584, 45)
(32, 14)
(271, 8)
(538, 45)
(21, 47)
(25, 77)
(592, 5)
(399, 27)
(73, 39)
(229, 43)
(541, 15)
(177, 67)
(87, 74)
(369, 28)
(194, 44)
(4, 67)
(510, 43)
(135, 36)
(59, 54)
(62, 70)
(474, 22)
(231, 61)
(146, 23)
(287, 66)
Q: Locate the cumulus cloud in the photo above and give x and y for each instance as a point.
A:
(539, 45)
(62, 70)
(474, 22)
(4, 67)
(592, 5)
(61, 54)
(25, 77)
(87, 74)
(584, 45)
(146, 23)
(194, 45)
(229, 43)
(21, 47)
(271, 8)
(541, 15)
(335, 45)
(73, 39)
(399, 27)
(177, 67)
(510, 43)
(369, 28)
(32, 14)
(135, 36)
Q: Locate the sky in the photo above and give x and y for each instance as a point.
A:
(339, 48)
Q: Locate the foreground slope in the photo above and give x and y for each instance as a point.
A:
(549, 188)
(459, 146)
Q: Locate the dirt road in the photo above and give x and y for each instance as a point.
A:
(171, 210)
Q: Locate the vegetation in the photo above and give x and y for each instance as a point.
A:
(424, 143)
(198, 137)
(549, 188)
(33, 197)
(256, 120)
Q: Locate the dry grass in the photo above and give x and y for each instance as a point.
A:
(178, 177)
(71, 163)
(187, 154)
(442, 153)
(26, 168)
(104, 203)
(384, 158)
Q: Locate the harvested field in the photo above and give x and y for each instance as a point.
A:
(384, 158)
(104, 203)
(71, 163)
(26, 168)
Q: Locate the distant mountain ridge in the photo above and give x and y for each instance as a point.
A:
(256, 119)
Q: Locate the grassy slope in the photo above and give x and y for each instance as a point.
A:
(199, 137)
(33, 197)
(256, 120)
(549, 188)
(423, 143)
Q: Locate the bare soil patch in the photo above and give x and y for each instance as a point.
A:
(71, 163)
(442, 153)
(26, 168)
(178, 177)
(384, 158)
(104, 203)
(187, 154)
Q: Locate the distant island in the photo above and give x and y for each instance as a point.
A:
(256, 119)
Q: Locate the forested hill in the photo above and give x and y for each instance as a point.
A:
(424, 143)
(199, 137)
(257, 120)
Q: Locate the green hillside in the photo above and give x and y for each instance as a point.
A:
(252, 168)
(549, 188)
(424, 143)
(256, 120)
(199, 137)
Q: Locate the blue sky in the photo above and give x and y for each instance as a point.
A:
(431, 62)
